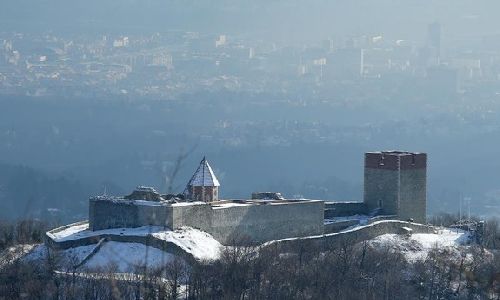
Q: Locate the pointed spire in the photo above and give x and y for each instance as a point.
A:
(204, 175)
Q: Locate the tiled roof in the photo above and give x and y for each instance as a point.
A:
(204, 175)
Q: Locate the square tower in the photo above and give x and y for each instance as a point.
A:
(395, 183)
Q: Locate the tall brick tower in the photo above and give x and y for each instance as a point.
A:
(396, 184)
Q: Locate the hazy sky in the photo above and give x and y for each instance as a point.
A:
(278, 19)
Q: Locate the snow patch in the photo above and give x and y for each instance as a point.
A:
(127, 257)
(417, 246)
(199, 243)
(79, 231)
(196, 242)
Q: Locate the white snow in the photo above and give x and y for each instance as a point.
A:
(67, 258)
(360, 218)
(149, 203)
(38, 253)
(79, 231)
(70, 231)
(200, 244)
(13, 253)
(444, 237)
(189, 203)
(230, 204)
(128, 257)
(418, 245)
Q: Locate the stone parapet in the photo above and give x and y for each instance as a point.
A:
(356, 235)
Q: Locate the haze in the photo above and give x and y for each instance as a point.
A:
(285, 96)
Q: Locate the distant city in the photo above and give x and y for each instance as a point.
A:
(231, 96)
(165, 65)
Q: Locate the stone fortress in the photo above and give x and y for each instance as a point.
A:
(394, 188)
(394, 202)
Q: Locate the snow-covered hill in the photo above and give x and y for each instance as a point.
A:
(130, 257)
(126, 256)
(418, 245)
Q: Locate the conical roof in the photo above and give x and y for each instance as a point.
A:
(204, 175)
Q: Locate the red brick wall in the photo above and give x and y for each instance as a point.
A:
(390, 161)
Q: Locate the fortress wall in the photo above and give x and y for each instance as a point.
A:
(341, 225)
(109, 214)
(338, 226)
(145, 240)
(154, 215)
(196, 216)
(333, 240)
(253, 223)
(106, 214)
(327, 241)
(339, 209)
(261, 223)
(381, 218)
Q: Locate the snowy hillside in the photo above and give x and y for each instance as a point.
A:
(417, 246)
(121, 257)
(195, 242)
(126, 256)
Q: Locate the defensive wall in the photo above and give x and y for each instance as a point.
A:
(228, 222)
(322, 242)
(148, 240)
(341, 225)
(349, 237)
(339, 209)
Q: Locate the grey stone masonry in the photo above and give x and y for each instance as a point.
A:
(395, 182)
(338, 209)
(350, 237)
(252, 222)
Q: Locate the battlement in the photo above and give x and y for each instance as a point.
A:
(395, 160)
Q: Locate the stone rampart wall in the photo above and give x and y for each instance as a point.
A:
(323, 241)
(106, 214)
(339, 209)
(252, 223)
(147, 240)
(382, 218)
(333, 240)
(338, 226)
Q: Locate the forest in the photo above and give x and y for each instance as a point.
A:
(347, 271)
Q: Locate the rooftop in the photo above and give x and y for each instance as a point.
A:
(394, 152)
(204, 175)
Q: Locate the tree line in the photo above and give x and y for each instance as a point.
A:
(348, 271)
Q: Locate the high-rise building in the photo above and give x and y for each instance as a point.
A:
(434, 38)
